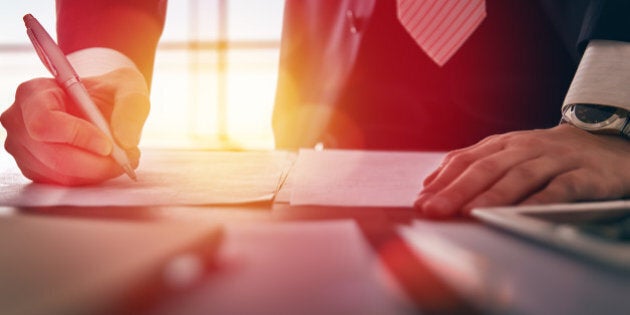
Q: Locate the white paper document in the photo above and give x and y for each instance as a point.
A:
(360, 178)
(165, 177)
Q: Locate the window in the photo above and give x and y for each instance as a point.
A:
(215, 71)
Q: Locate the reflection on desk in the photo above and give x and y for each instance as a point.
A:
(54, 265)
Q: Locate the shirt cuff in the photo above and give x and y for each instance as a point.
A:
(96, 61)
(603, 76)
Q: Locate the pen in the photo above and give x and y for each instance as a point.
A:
(59, 66)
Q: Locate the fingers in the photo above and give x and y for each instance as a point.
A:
(60, 164)
(45, 120)
(60, 127)
(52, 145)
(472, 181)
(455, 163)
(456, 153)
(521, 181)
(561, 164)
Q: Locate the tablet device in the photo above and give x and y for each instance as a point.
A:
(598, 231)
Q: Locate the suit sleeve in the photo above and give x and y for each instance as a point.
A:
(607, 20)
(132, 27)
(603, 75)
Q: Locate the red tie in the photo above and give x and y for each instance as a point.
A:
(441, 27)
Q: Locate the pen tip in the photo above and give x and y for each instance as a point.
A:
(130, 172)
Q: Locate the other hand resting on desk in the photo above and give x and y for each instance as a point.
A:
(561, 164)
(52, 143)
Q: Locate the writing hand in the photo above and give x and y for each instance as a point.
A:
(52, 143)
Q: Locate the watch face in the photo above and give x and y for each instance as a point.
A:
(592, 114)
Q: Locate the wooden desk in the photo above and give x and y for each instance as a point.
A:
(279, 259)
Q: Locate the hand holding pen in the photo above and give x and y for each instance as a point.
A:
(58, 133)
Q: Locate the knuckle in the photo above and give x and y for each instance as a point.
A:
(461, 159)
(491, 139)
(32, 86)
(9, 146)
(38, 129)
(508, 137)
(454, 153)
(495, 137)
(485, 166)
(24, 88)
(5, 118)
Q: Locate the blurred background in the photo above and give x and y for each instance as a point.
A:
(215, 71)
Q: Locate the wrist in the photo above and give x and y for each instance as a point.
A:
(598, 119)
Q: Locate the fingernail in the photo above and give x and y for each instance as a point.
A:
(422, 197)
(438, 206)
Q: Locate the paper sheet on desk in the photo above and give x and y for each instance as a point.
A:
(360, 178)
(166, 177)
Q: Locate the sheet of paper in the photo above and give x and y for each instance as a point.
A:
(165, 177)
(360, 178)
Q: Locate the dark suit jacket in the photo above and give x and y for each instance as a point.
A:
(374, 88)
(350, 76)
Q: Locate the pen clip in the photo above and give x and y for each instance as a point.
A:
(40, 52)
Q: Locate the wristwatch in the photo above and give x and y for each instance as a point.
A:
(598, 119)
